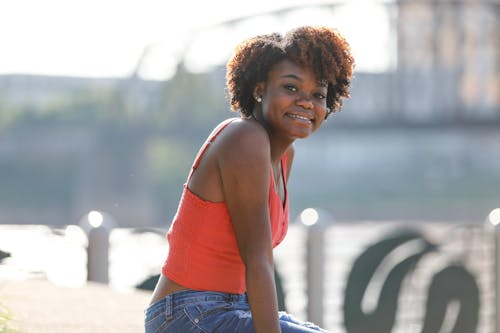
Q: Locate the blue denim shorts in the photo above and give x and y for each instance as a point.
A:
(211, 312)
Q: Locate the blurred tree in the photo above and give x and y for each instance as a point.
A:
(192, 103)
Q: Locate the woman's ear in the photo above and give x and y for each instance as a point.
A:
(258, 91)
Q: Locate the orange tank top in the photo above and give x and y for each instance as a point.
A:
(203, 252)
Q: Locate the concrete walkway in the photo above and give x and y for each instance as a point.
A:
(41, 307)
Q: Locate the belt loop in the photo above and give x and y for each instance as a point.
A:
(169, 307)
(235, 298)
(229, 298)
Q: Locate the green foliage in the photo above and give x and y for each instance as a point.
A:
(87, 105)
(7, 322)
(183, 105)
(191, 101)
(47, 125)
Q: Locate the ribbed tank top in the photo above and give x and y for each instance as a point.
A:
(203, 251)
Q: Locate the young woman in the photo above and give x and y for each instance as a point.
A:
(219, 273)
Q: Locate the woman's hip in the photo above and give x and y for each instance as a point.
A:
(192, 311)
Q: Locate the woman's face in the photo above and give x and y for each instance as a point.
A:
(293, 100)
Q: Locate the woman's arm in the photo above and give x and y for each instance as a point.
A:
(244, 164)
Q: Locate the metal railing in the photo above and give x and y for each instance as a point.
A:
(378, 276)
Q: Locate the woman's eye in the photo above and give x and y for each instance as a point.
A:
(291, 87)
(319, 96)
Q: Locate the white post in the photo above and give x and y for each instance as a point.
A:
(316, 222)
(98, 226)
(494, 220)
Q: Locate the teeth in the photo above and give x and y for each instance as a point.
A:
(296, 116)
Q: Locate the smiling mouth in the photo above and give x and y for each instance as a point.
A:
(299, 117)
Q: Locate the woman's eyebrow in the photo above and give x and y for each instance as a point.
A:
(292, 76)
(320, 83)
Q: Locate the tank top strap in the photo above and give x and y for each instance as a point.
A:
(284, 167)
(207, 143)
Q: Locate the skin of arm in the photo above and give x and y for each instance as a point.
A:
(244, 163)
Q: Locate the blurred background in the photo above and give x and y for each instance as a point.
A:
(104, 105)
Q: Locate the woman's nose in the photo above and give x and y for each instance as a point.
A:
(305, 102)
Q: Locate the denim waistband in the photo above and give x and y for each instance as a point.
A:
(180, 299)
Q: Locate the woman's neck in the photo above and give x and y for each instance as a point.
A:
(279, 145)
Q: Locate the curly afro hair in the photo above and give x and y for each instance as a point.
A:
(322, 49)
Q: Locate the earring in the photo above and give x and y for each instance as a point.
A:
(258, 99)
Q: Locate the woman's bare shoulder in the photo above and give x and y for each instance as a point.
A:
(245, 136)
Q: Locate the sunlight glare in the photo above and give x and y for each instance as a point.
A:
(366, 26)
(309, 216)
(95, 219)
(210, 48)
(107, 39)
(494, 217)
